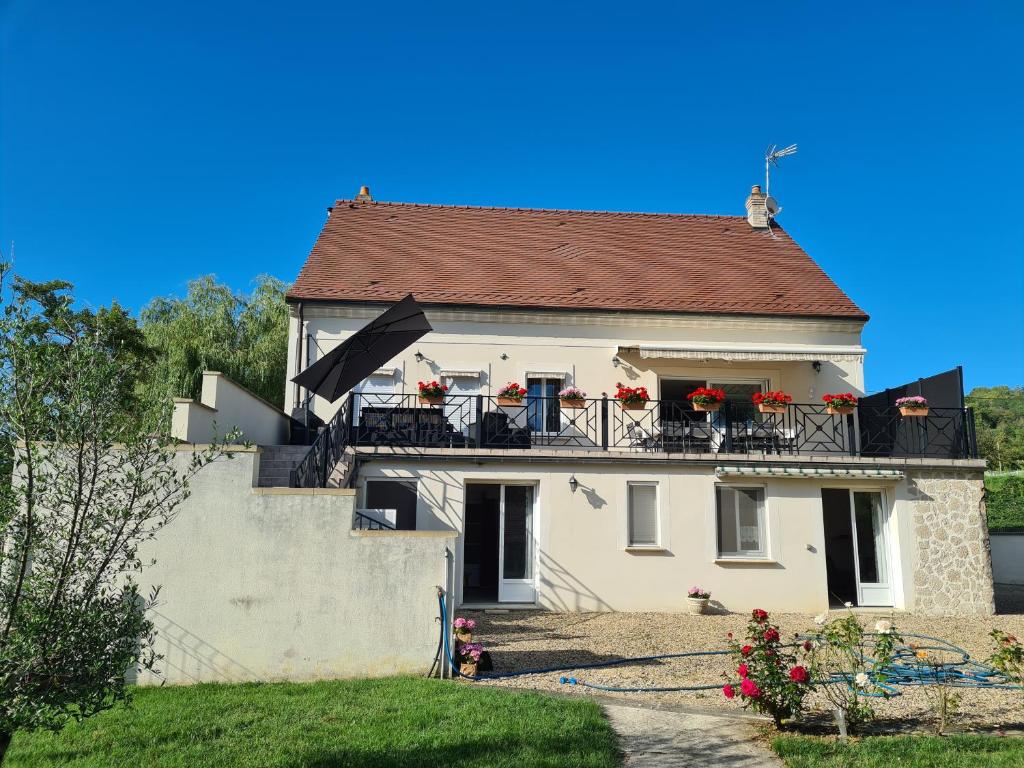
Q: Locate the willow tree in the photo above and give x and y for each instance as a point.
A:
(93, 474)
(214, 328)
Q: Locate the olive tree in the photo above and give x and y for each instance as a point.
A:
(91, 474)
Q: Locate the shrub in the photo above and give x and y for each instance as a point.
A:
(770, 679)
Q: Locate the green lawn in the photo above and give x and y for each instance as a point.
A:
(902, 751)
(386, 722)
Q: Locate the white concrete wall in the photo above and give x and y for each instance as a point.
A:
(582, 346)
(271, 584)
(224, 406)
(584, 563)
(1008, 558)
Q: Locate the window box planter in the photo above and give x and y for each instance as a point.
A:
(432, 392)
(432, 399)
(707, 407)
(839, 410)
(695, 606)
(840, 404)
(573, 403)
(772, 402)
(907, 410)
(912, 406)
(633, 405)
(572, 397)
(631, 398)
(706, 400)
(510, 402)
(511, 395)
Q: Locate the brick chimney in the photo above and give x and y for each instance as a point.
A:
(757, 212)
(364, 195)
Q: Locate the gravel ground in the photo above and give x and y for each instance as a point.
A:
(531, 639)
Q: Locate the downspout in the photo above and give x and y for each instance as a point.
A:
(298, 356)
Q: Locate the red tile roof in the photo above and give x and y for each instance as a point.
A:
(546, 259)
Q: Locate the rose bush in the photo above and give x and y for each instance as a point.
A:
(768, 677)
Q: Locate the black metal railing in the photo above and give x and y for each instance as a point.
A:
(601, 424)
(314, 470)
(361, 522)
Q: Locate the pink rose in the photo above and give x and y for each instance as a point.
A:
(798, 674)
(771, 635)
(749, 688)
(745, 650)
(728, 690)
(759, 615)
(743, 670)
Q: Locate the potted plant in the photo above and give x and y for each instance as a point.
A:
(912, 406)
(464, 629)
(572, 397)
(705, 399)
(469, 658)
(511, 394)
(431, 392)
(772, 402)
(632, 398)
(840, 404)
(697, 601)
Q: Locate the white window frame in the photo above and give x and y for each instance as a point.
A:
(657, 515)
(762, 524)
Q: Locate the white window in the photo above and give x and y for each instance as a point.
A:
(740, 516)
(642, 514)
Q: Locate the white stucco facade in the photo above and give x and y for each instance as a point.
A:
(582, 348)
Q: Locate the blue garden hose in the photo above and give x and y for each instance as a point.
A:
(965, 673)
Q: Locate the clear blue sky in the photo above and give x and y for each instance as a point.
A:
(144, 144)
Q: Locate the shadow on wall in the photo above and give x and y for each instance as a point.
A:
(565, 591)
(191, 657)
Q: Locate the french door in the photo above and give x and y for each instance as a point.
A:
(516, 582)
(871, 548)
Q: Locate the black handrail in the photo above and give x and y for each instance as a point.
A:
(314, 470)
(361, 522)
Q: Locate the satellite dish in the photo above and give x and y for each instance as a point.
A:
(772, 205)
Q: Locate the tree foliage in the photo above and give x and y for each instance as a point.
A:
(999, 423)
(93, 474)
(213, 328)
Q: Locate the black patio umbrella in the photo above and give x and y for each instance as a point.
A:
(366, 350)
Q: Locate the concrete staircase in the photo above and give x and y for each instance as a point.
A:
(277, 462)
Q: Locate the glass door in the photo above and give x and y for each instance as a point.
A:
(542, 408)
(871, 548)
(516, 547)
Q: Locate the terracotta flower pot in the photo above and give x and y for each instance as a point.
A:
(509, 402)
(840, 410)
(468, 668)
(707, 408)
(765, 408)
(463, 636)
(573, 403)
(695, 606)
(634, 405)
(912, 411)
(432, 399)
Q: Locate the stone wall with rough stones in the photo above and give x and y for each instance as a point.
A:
(953, 564)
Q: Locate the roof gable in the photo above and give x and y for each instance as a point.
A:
(550, 259)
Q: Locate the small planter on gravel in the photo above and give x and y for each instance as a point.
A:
(697, 599)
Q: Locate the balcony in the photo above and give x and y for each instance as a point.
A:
(479, 421)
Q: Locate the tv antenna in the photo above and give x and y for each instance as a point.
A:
(771, 157)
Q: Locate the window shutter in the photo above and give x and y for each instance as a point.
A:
(643, 515)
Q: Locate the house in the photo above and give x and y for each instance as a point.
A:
(600, 507)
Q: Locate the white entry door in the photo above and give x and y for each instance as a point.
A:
(871, 548)
(516, 582)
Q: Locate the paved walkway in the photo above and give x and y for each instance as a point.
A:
(657, 738)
